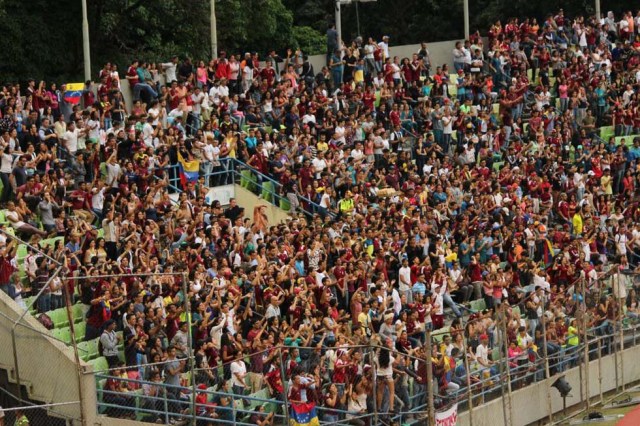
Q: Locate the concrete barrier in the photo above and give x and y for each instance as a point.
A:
(530, 403)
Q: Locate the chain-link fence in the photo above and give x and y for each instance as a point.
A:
(40, 374)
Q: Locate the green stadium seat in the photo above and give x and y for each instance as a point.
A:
(285, 204)
(268, 189)
(478, 305)
(248, 180)
(92, 347)
(606, 132)
(80, 330)
(84, 351)
(78, 315)
(3, 217)
(21, 253)
(64, 334)
(495, 354)
(59, 317)
(51, 241)
(99, 364)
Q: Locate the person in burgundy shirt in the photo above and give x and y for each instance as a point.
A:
(258, 161)
(81, 203)
(268, 74)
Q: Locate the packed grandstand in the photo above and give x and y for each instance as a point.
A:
(490, 208)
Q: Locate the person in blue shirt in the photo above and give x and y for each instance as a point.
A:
(420, 287)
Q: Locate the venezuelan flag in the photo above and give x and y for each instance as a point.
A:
(73, 92)
(189, 170)
(304, 415)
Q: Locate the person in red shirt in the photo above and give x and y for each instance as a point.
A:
(268, 74)
(222, 68)
(132, 74)
(341, 367)
(81, 203)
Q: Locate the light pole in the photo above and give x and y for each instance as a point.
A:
(85, 42)
(339, 3)
(598, 16)
(214, 31)
(466, 19)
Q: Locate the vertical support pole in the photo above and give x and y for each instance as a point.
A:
(505, 343)
(600, 368)
(357, 18)
(67, 298)
(187, 312)
(468, 377)
(547, 372)
(583, 325)
(373, 363)
(338, 22)
(466, 19)
(86, 52)
(619, 317)
(432, 410)
(214, 30)
(285, 386)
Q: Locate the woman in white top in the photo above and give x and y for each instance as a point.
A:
(385, 375)
(16, 221)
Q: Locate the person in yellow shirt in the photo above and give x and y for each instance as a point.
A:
(606, 182)
(347, 205)
(577, 222)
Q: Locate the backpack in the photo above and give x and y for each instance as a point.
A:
(45, 320)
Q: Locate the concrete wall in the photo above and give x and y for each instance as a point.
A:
(249, 200)
(530, 404)
(440, 52)
(47, 367)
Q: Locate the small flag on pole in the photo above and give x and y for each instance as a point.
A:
(73, 93)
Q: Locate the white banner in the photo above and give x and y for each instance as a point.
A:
(448, 418)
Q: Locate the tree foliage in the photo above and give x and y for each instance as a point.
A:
(43, 39)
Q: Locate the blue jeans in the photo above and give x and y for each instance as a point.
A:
(454, 307)
(143, 87)
(44, 302)
(330, 418)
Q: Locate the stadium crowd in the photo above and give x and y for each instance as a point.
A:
(416, 194)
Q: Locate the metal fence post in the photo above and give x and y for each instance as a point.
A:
(67, 298)
(187, 310)
(285, 387)
(431, 405)
(600, 368)
(374, 381)
(547, 372)
(468, 377)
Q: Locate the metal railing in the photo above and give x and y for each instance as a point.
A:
(231, 171)
(485, 384)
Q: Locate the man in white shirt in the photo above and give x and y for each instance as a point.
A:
(384, 45)
(356, 153)
(170, 70)
(148, 132)
(273, 310)
(214, 94)
(404, 278)
(198, 98)
(319, 164)
(482, 352)
(621, 241)
(70, 137)
(97, 199)
(238, 373)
